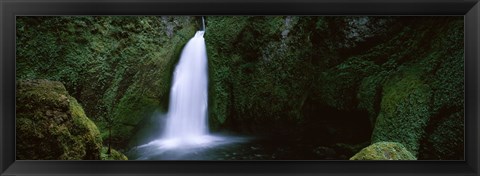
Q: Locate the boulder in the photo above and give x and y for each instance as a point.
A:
(51, 125)
(384, 151)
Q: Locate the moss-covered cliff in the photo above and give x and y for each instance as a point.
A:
(329, 83)
(337, 79)
(119, 68)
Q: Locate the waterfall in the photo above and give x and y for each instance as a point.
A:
(187, 113)
(203, 23)
(186, 131)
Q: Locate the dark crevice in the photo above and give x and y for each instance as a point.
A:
(326, 125)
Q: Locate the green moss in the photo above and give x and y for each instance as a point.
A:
(147, 91)
(86, 130)
(42, 93)
(109, 61)
(223, 31)
(405, 111)
(384, 151)
(448, 81)
(114, 154)
(257, 65)
(338, 86)
(52, 125)
(439, 83)
(370, 94)
(266, 74)
(350, 149)
(131, 109)
(445, 138)
(220, 36)
(448, 138)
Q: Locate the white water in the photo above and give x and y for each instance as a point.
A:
(186, 128)
(187, 113)
(187, 118)
(203, 24)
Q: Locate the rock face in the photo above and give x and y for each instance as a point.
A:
(51, 125)
(424, 99)
(323, 80)
(384, 151)
(341, 80)
(404, 112)
(118, 67)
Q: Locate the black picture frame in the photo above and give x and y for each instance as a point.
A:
(470, 9)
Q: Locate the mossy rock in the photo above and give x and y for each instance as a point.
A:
(141, 97)
(448, 138)
(51, 125)
(257, 65)
(445, 138)
(86, 130)
(119, 68)
(405, 111)
(369, 93)
(384, 151)
(222, 32)
(338, 86)
(348, 150)
(114, 154)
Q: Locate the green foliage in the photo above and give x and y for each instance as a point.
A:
(262, 73)
(52, 125)
(448, 80)
(222, 31)
(405, 111)
(370, 94)
(445, 131)
(321, 24)
(263, 70)
(438, 64)
(384, 151)
(337, 87)
(257, 68)
(105, 62)
(446, 142)
(130, 110)
(86, 129)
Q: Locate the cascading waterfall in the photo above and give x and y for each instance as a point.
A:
(187, 114)
(187, 118)
(186, 128)
(186, 125)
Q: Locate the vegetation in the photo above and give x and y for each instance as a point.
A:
(404, 112)
(52, 125)
(329, 83)
(384, 151)
(115, 155)
(119, 68)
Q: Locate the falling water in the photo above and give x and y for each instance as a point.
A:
(186, 129)
(187, 114)
(186, 125)
(203, 23)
